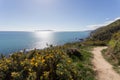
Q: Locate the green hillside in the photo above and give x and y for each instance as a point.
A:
(108, 35)
(103, 35)
(114, 48)
(112, 54)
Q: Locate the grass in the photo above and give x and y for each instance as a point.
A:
(116, 67)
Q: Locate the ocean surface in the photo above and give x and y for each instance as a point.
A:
(16, 41)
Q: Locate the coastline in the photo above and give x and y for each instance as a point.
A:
(68, 61)
(32, 45)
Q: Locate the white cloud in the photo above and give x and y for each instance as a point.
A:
(117, 18)
(95, 26)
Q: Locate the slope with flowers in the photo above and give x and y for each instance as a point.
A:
(68, 62)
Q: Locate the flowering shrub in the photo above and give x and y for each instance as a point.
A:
(54, 63)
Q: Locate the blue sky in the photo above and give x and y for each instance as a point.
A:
(60, 15)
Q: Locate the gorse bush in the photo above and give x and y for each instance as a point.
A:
(54, 63)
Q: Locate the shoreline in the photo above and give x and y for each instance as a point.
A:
(47, 46)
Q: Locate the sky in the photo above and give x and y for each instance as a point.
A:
(58, 15)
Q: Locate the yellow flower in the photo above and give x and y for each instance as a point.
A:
(8, 61)
(46, 73)
(75, 72)
(57, 65)
(26, 59)
(25, 67)
(61, 73)
(32, 63)
(22, 63)
(29, 69)
(69, 61)
(32, 59)
(36, 64)
(43, 60)
(15, 74)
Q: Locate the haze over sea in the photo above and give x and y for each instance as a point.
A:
(16, 41)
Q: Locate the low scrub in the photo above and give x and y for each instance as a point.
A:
(66, 62)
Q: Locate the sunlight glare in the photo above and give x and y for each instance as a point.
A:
(44, 38)
(44, 35)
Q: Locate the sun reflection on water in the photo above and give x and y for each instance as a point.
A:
(44, 38)
(44, 34)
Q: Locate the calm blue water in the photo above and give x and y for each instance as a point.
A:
(16, 41)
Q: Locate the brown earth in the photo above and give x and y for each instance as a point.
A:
(103, 69)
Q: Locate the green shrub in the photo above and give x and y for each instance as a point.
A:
(54, 63)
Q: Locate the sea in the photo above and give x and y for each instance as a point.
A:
(14, 41)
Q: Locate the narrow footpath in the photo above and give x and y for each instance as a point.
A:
(103, 69)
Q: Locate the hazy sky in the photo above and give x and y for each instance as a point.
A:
(67, 15)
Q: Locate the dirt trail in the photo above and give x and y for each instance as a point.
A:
(103, 69)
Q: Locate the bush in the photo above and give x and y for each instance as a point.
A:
(54, 63)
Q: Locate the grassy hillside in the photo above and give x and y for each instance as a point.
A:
(112, 54)
(102, 35)
(67, 62)
(105, 33)
(108, 35)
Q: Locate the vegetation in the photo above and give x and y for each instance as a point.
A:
(68, 62)
(103, 35)
(108, 36)
(71, 61)
(113, 52)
